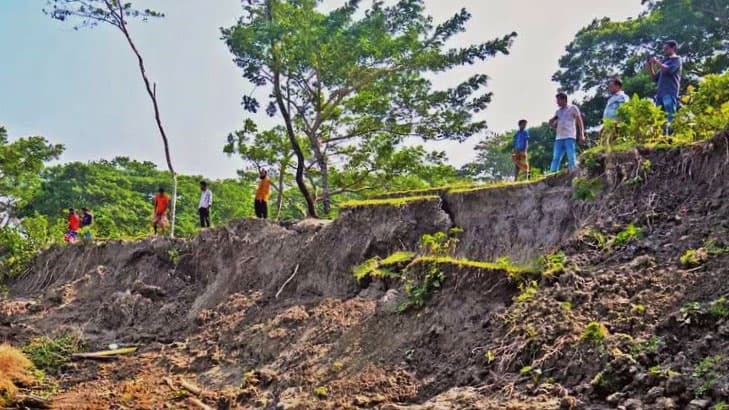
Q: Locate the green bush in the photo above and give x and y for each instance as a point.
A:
(50, 354)
(693, 258)
(638, 121)
(707, 374)
(20, 244)
(706, 109)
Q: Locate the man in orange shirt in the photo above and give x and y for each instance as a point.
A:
(161, 202)
(262, 193)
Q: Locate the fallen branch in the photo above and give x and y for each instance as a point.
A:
(104, 354)
(296, 270)
(190, 387)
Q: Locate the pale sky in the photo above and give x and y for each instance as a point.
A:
(82, 88)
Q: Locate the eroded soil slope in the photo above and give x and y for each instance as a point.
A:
(262, 316)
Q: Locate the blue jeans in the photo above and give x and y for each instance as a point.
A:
(562, 147)
(669, 104)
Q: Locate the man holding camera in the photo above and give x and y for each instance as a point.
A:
(667, 74)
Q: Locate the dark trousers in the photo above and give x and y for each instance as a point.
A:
(204, 217)
(261, 209)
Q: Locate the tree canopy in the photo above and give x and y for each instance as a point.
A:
(347, 80)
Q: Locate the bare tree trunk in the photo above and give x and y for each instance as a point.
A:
(279, 199)
(300, 160)
(324, 169)
(152, 91)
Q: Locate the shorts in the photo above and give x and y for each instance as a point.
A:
(159, 219)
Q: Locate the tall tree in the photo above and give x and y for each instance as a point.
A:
(117, 13)
(20, 165)
(606, 48)
(343, 77)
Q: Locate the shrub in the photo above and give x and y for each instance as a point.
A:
(19, 245)
(14, 368)
(50, 354)
(321, 392)
(719, 308)
(639, 121)
(706, 109)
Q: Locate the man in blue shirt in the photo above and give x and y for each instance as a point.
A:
(519, 157)
(667, 74)
(617, 98)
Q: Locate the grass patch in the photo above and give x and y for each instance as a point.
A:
(50, 354)
(321, 392)
(707, 374)
(396, 202)
(15, 367)
(553, 264)
(693, 258)
(587, 189)
(376, 267)
(595, 333)
(627, 235)
(495, 185)
(460, 262)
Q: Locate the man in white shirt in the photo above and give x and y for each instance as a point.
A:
(206, 201)
(617, 98)
(564, 121)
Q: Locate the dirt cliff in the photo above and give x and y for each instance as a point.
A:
(265, 316)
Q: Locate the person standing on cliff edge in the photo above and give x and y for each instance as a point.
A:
(206, 202)
(567, 121)
(519, 157)
(262, 194)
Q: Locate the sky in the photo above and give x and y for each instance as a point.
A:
(83, 88)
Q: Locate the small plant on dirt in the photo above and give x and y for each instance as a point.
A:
(693, 258)
(527, 291)
(690, 310)
(595, 333)
(596, 238)
(719, 308)
(566, 307)
(50, 354)
(627, 235)
(440, 243)
(173, 254)
(337, 366)
(722, 405)
(419, 286)
(638, 309)
(321, 392)
(490, 357)
(587, 189)
(180, 394)
(713, 249)
(707, 374)
(662, 373)
(651, 345)
(534, 373)
(553, 264)
(14, 368)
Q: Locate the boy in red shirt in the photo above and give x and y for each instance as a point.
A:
(74, 223)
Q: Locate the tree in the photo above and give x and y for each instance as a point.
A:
(117, 14)
(120, 192)
(340, 79)
(20, 165)
(606, 48)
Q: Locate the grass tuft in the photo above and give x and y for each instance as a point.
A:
(50, 354)
(15, 367)
(396, 202)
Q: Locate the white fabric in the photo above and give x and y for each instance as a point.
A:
(566, 122)
(206, 199)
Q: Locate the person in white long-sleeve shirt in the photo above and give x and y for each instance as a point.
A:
(206, 202)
